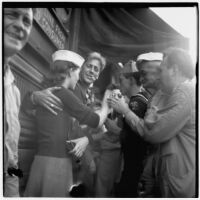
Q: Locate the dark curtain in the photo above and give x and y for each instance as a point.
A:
(121, 34)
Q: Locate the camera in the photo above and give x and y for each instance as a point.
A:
(116, 94)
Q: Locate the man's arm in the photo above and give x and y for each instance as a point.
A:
(98, 136)
(138, 108)
(169, 120)
(112, 126)
(43, 98)
(164, 123)
(104, 111)
(136, 123)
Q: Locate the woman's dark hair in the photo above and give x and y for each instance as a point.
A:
(111, 71)
(59, 71)
(181, 58)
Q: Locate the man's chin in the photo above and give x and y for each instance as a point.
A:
(89, 81)
(11, 50)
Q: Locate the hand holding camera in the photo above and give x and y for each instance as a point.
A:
(116, 94)
(118, 102)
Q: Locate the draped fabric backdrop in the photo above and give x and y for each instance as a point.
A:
(121, 34)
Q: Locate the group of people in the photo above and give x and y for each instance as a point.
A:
(137, 140)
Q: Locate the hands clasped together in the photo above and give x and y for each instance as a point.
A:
(118, 103)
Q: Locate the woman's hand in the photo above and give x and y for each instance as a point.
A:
(119, 105)
(48, 100)
(80, 146)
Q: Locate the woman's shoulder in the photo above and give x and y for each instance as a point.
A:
(68, 97)
(63, 91)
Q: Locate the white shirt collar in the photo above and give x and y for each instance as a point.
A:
(8, 77)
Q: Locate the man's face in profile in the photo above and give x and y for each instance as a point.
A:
(150, 74)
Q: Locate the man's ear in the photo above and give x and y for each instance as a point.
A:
(69, 72)
(174, 69)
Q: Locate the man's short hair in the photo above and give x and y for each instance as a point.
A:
(99, 57)
(181, 58)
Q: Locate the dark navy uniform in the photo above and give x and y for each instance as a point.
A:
(134, 149)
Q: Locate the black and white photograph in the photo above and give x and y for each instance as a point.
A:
(100, 99)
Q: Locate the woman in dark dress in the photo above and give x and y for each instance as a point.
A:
(51, 171)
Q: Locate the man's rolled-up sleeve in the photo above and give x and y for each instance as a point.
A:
(169, 120)
(166, 123)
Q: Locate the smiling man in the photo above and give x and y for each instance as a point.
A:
(90, 72)
(17, 28)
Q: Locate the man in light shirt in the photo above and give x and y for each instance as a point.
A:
(170, 123)
(17, 28)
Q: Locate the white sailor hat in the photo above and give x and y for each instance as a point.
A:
(70, 56)
(151, 56)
